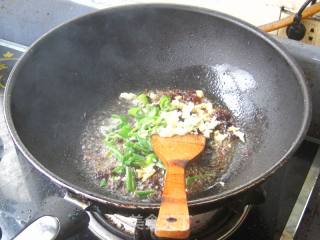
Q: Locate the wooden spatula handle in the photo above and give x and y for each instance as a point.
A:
(173, 220)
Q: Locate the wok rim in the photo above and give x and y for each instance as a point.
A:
(142, 205)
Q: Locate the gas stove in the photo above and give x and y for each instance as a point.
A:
(23, 190)
(218, 223)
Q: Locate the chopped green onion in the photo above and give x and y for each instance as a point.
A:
(115, 152)
(192, 179)
(133, 159)
(122, 118)
(103, 182)
(129, 141)
(151, 158)
(133, 111)
(130, 179)
(144, 193)
(118, 169)
(153, 111)
(143, 98)
(164, 102)
(124, 131)
(144, 143)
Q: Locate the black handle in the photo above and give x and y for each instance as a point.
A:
(71, 218)
(297, 30)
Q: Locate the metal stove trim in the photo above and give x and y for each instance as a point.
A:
(99, 231)
(237, 224)
(102, 233)
(13, 45)
(303, 199)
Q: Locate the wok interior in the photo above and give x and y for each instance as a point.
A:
(80, 68)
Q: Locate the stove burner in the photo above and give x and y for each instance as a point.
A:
(216, 224)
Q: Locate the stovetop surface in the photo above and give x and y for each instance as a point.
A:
(23, 189)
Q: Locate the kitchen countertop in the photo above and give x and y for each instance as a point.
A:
(24, 21)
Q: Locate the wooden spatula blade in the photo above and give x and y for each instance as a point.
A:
(175, 152)
(184, 148)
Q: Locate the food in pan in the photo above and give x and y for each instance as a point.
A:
(136, 171)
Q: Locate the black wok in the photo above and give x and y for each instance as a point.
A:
(81, 67)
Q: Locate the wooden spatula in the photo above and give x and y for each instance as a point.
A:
(175, 152)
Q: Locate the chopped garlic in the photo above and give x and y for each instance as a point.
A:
(236, 131)
(208, 126)
(176, 103)
(213, 123)
(192, 121)
(128, 96)
(171, 118)
(207, 133)
(166, 132)
(187, 109)
(219, 136)
(233, 129)
(240, 135)
(204, 106)
(202, 126)
(145, 173)
(199, 93)
(200, 106)
(209, 107)
(181, 131)
(153, 96)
